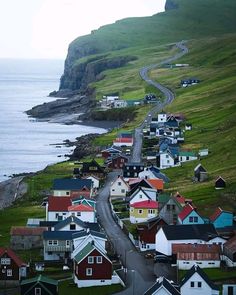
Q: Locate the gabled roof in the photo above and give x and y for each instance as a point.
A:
(149, 204)
(181, 199)
(59, 203)
(87, 165)
(231, 244)
(200, 168)
(204, 232)
(71, 184)
(40, 278)
(68, 220)
(58, 235)
(86, 251)
(137, 190)
(156, 183)
(81, 208)
(12, 255)
(196, 248)
(217, 213)
(187, 154)
(87, 232)
(120, 178)
(27, 231)
(82, 200)
(111, 150)
(196, 269)
(162, 283)
(187, 209)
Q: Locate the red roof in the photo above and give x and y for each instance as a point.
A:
(156, 183)
(149, 204)
(181, 199)
(230, 245)
(125, 139)
(81, 208)
(12, 255)
(217, 213)
(59, 203)
(27, 231)
(186, 211)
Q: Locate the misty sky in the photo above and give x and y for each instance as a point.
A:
(44, 28)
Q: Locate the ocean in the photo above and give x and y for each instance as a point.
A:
(27, 145)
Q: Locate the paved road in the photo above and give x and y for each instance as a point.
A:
(169, 97)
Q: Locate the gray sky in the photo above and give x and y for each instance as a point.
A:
(44, 28)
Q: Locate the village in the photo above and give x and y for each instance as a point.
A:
(165, 228)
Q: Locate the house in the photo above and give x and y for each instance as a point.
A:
(92, 168)
(143, 194)
(119, 103)
(162, 117)
(124, 139)
(40, 285)
(203, 152)
(166, 159)
(163, 287)
(110, 152)
(117, 162)
(197, 282)
(220, 183)
(206, 256)
(169, 208)
(200, 173)
(119, 187)
(142, 211)
(188, 234)
(229, 252)
(171, 122)
(12, 268)
(157, 184)
(147, 232)
(72, 187)
(84, 201)
(73, 223)
(132, 170)
(188, 127)
(229, 289)
(95, 182)
(61, 208)
(83, 237)
(221, 218)
(92, 267)
(153, 172)
(25, 238)
(135, 183)
(189, 215)
(182, 200)
(185, 156)
(189, 82)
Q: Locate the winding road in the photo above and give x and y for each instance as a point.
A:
(140, 271)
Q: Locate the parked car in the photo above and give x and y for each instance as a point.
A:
(162, 258)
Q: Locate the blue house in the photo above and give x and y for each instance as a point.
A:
(221, 218)
(189, 215)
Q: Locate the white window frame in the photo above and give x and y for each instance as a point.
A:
(89, 271)
(9, 272)
(90, 259)
(5, 261)
(37, 291)
(99, 259)
(140, 211)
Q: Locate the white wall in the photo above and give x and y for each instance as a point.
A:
(90, 283)
(146, 247)
(187, 264)
(61, 193)
(95, 182)
(85, 216)
(117, 190)
(138, 197)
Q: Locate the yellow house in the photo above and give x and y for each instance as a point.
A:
(142, 211)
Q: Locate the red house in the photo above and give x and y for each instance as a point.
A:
(12, 268)
(147, 233)
(117, 162)
(92, 267)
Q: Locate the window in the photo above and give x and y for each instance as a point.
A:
(168, 207)
(5, 261)
(168, 161)
(72, 226)
(67, 243)
(99, 259)
(151, 211)
(190, 219)
(140, 211)
(37, 291)
(195, 219)
(67, 193)
(55, 242)
(89, 271)
(9, 272)
(78, 213)
(90, 259)
(192, 284)
(123, 191)
(199, 284)
(167, 156)
(49, 242)
(119, 183)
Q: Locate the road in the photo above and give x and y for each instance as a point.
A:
(169, 97)
(140, 271)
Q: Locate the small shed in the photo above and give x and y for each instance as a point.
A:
(220, 183)
(200, 173)
(188, 126)
(39, 285)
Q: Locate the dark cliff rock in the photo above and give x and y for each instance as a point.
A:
(171, 4)
(78, 76)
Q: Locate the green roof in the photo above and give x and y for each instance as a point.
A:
(187, 154)
(84, 252)
(163, 198)
(40, 278)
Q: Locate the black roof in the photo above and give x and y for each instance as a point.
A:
(59, 235)
(84, 233)
(87, 165)
(196, 269)
(47, 223)
(204, 232)
(67, 221)
(166, 284)
(71, 184)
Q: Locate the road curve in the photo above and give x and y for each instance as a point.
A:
(169, 97)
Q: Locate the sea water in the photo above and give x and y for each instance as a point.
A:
(27, 145)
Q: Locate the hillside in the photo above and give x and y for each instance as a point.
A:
(115, 45)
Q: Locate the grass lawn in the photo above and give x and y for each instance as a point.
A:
(67, 287)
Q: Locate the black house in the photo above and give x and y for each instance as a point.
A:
(40, 285)
(220, 183)
(92, 168)
(200, 173)
(131, 170)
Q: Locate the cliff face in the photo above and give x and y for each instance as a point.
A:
(79, 75)
(170, 4)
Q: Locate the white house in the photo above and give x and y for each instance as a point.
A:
(197, 282)
(162, 287)
(168, 235)
(166, 160)
(119, 187)
(95, 181)
(162, 117)
(143, 194)
(185, 156)
(203, 152)
(229, 289)
(119, 103)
